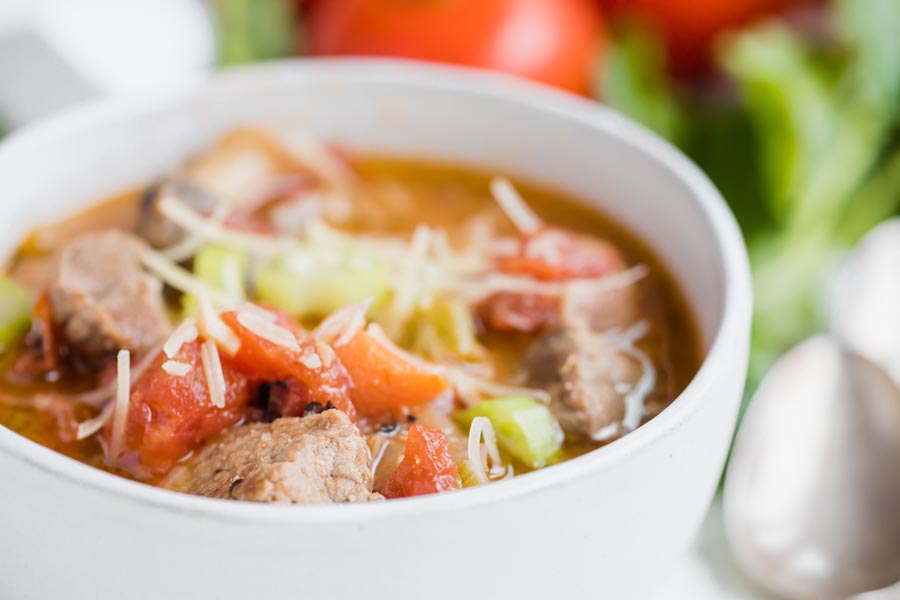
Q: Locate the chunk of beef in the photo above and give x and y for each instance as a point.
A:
(318, 459)
(586, 372)
(155, 228)
(101, 298)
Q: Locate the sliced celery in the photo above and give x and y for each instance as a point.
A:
(455, 326)
(15, 311)
(525, 428)
(317, 281)
(223, 269)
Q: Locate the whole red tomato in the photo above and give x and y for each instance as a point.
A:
(557, 42)
(690, 27)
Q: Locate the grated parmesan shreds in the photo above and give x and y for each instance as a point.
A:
(325, 352)
(212, 370)
(123, 398)
(494, 283)
(480, 454)
(341, 325)
(89, 427)
(212, 327)
(310, 359)
(180, 279)
(409, 282)
(206, 229)
(515, 207)
(103, 395)
(185, 333)
(635, 398)
(267, 330)
(624, 340)
(258, 310)
(176, 368)
(188, 247)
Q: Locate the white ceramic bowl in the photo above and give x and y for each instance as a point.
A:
(607, 524)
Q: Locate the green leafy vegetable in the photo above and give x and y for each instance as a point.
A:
(634, 82)
(789, 101)
(525, 428)
(15, 311)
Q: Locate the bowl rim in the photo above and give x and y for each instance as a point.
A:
(732, 331)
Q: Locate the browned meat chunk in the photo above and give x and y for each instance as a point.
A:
(155, 228)
(101, 298)
(586, 372)
(317, 459)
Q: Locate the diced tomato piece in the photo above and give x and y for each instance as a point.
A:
(41, 344)
(549, 254)
(386, 383)
(169, 416)
(552, 254)
(525, 313)
(313, 364)
(426, 468)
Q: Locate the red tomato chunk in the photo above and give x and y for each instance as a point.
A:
(427, 467)
(169, 416)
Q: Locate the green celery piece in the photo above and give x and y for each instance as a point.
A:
(466, 475)
(455, 327)
(525, 428)
(634, 81)
(15, 311)
(221, 268)
(317, 281)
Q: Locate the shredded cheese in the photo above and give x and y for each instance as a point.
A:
(89, 427)
(267, 330)
(635, 394)
(191, 243)
(409, 281)
(480, 454)
(212, 327)
(494, 283)
(325, 352)
(212, 370)
(514, 206)
(181, 279)
(209, 230)
(310, 359)
(258, 310)
(185, 333)
(123, 398)
(635, 398)
(341, 325)
(176, 368)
